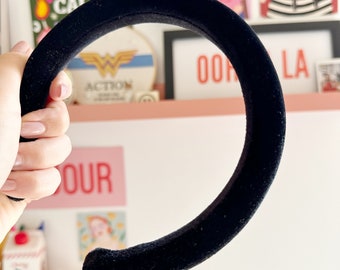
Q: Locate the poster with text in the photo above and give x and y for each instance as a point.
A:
(90, 177)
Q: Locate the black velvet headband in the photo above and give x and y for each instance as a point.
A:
(265, 130)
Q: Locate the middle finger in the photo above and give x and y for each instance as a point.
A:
(48, 122)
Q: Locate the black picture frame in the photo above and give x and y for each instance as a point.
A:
(333, 26)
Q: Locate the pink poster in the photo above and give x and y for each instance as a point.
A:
(91, 177)
(239, 6)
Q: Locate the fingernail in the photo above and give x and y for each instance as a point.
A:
(32, 129)
(21, 47)
(18, 161)
(9, 185)
(63, 90)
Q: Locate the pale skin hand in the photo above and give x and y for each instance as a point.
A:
(27, 170)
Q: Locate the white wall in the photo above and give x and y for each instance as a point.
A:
(175, 167)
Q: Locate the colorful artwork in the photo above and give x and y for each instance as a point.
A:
(328, 75)
(239, 6)
(286, 8)
(101, 229)
(47, 13)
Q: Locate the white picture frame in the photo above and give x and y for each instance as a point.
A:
(294, 61)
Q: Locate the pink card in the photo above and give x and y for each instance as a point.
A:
(91, 177)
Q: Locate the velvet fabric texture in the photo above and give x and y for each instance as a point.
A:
(265, 130)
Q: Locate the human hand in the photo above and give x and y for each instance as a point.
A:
(27, 169)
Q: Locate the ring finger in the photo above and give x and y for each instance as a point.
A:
(43, 153)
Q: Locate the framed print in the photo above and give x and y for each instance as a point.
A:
(101, 229)
(328, 75)
(297, 8)
(196, 69)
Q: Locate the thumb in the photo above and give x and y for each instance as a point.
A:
(11, 68)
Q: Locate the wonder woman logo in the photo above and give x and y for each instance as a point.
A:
(108, 64)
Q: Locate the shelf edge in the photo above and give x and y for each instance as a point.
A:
(195, 108)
